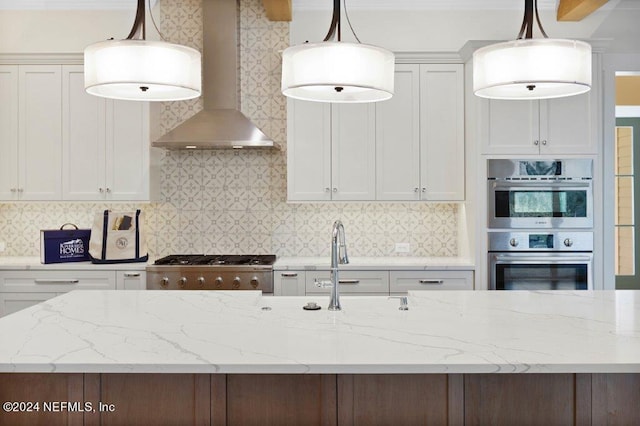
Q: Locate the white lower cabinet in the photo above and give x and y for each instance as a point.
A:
(362, 283)
(289, 283)
(21, 289)
(400, 282)
(131, 280)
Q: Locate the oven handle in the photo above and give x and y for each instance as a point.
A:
(527, 258)
(538, 184)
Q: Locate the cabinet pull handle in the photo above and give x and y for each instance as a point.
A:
(289, 274)
(131, 274)
(431, 281)
(349, 281)
(61, 281)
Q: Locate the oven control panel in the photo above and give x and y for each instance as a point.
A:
(541, 241)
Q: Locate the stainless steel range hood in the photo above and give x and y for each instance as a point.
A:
(220, 125)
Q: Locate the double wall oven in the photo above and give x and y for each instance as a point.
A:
(540, 222)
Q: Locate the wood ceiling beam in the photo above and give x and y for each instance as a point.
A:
(278, 10)
(577, 10)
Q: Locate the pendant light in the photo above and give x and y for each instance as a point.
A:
(141, 70)
(529, 68)
(338, 71)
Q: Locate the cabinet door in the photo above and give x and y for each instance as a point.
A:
(289, 283)
(565, 125)
(398, 138)
(9, 132)
(131, 280)
(127, 150)
(510, 127)
(40, 132)
(351, 282)
(308, 151)
(14, 302)
(353, 152)
(83, 138)
(442, 132)
(400, 282)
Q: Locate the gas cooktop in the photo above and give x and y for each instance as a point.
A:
(217, 259)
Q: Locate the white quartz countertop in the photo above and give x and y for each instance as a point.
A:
(33, 263)
(374, 263)
(231, 332)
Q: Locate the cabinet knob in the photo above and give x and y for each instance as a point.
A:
(108, 190)
(416, 189)
(13, 190)
(424, 190)
(327, 190)
(100, 190)
(536, 143)
(335, 189)
(544, 142)
(20, 189)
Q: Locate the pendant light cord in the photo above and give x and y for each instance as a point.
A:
(530, 10)
(139, 22)
(335, 23)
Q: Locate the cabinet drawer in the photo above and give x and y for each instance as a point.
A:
(351, 282)
(288, 283)
(14, 302)
(56, 281)
(403, 281)
(131, 280)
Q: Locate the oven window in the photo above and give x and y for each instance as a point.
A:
(541, 203)
(541, 277)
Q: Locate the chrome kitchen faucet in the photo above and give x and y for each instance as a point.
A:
(338, 256)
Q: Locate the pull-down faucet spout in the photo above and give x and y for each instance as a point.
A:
(338, 256)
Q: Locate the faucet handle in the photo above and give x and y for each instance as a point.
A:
(323, 283)
(404, 302)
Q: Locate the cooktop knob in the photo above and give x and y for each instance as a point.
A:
(236, 282)
(254, 282)
(182, 281)
(201, 281)
(513, 242)
(164, 281)
(218, 282)
(568, 242)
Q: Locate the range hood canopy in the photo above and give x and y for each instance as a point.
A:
(220, 125)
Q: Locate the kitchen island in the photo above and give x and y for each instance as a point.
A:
(455, 357)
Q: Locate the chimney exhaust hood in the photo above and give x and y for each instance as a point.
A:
(220, 125)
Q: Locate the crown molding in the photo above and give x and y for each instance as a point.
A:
(69, 4)
(41, 58)
(423, 5)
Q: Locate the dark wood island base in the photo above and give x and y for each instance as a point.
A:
(319, 399)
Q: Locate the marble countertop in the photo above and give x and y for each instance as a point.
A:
(33, 263)
(232, 332)
(376, 263)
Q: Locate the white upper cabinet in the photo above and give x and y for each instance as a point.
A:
(408, 148)
(552, 126)
(353, 152)
(308, 151)
(105, 144)
(9, 132)
(330, 151)
(420, 135)
(398, 138)
(442, 132)
(30, 131)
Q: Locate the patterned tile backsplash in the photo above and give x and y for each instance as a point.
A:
(235, 202)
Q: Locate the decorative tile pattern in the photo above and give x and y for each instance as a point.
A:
(235, 202)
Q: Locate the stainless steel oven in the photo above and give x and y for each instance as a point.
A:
(540, 193)
(540, 260)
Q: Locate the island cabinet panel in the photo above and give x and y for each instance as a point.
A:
(149, 399)
(522, 399)
(615, 399)
(399, 399)
(280, 400)
(51, 389)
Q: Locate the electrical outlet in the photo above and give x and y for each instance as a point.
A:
(403, 248)
(3, 246)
